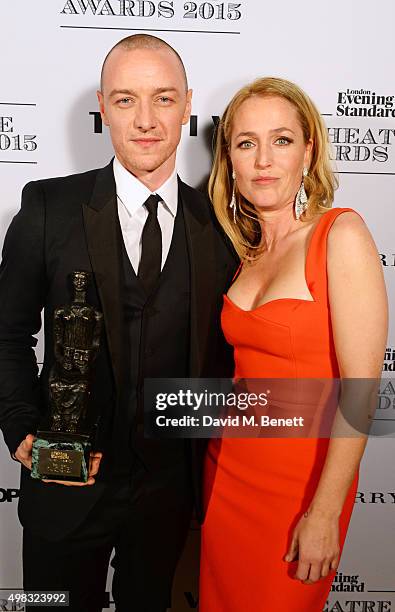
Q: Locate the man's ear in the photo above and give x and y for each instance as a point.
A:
(188, 108)
(100, 98)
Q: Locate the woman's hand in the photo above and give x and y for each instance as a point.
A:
(315, 544)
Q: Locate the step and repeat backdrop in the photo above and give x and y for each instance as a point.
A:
(341, 53)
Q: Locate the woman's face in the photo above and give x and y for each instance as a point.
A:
(268, 152)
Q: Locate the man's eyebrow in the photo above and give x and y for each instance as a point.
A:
(130, 92)
(166, 90)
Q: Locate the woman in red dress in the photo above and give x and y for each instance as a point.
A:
(309, 297)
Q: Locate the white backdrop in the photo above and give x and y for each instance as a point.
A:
(340, 52)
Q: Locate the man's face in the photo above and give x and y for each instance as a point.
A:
(144, 103)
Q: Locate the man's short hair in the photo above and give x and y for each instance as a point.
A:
(143, 41)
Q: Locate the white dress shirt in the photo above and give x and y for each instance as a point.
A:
(131, 195)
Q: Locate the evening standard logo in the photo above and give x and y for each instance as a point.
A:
(361, 137)
(346, 583)
(163, 9)
(364, 103)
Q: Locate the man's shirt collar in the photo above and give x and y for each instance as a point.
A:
(133, 193)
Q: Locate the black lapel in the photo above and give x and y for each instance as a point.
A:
(104, 240)
(201, 247)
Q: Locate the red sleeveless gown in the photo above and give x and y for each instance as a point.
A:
(257, 489)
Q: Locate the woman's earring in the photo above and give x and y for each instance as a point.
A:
(233, 203)
(301, 200)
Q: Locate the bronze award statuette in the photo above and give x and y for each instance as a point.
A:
(62, 448)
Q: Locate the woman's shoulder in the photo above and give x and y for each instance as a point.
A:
(347, 224)
(337, 224)
(349, 236)
(340, 216)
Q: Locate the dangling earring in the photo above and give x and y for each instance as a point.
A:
(301, 200)
(233, 203)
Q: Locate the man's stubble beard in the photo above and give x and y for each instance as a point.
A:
(144, 164)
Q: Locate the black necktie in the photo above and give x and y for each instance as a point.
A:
(151, 246)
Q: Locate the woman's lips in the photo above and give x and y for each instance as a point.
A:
(265, 180)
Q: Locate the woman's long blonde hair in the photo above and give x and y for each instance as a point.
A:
(320, 183)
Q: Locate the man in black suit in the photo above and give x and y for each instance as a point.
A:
(159, 267)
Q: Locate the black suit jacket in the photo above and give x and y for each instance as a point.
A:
(72, 223)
